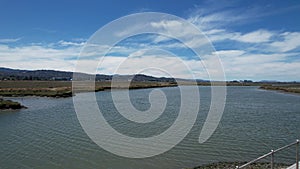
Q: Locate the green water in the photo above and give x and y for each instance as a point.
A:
(48, 134)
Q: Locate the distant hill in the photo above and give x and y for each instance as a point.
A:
(17, 74)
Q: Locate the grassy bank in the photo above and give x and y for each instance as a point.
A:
(64, 88)
(285, 88)
(8, 104)
(232, 165)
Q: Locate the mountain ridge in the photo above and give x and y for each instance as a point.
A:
(56, 75)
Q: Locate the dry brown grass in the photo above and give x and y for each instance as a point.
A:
(64, 88)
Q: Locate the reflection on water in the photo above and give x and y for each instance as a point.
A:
(48, 134)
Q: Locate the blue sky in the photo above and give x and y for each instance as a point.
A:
(258, 40)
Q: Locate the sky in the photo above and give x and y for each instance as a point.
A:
(256, 40)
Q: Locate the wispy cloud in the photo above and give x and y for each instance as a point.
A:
(37, 57)
(290, 41)
(257, 36)
(222, 14)
(10, 40)
(256, 54)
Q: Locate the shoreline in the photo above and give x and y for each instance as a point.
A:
(283, 89)
(60, 89)
(63, 89)
(232, 165)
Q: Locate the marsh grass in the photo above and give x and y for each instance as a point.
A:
(286, 88)
(64, 88)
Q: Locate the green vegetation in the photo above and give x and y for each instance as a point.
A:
(64, 88)
(33, 84)
(290, 88)
(8, 104)
(232, 165)
(48, 92)
(35, 88)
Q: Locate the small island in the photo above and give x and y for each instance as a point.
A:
(8, 104)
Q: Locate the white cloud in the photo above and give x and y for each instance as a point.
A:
(214, 31)
(238, 64)
(242, 65)
(68, 43)
(257, 36)
(155, 65)
(213, 24)
(37, 57)
(55, 64)
(230, 53)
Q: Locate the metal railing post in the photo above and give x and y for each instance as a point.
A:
(272, 159)
(297, 154)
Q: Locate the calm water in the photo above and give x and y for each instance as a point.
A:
(48, 134)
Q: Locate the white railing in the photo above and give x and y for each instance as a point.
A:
(272, 156)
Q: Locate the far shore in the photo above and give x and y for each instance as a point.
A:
(283, 88)
(59, 89)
